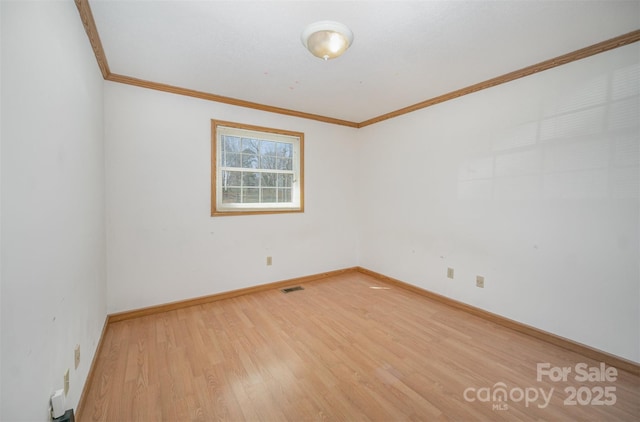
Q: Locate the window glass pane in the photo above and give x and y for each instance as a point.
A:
(269, 179)
(231, 159)
(284, 195)
(231, 178)
(285, 150)
(250, 146)
(249, 161)
(269, 195)
(285, 164)
(285, 180)
(267, 148)
(250, 195)
(230, 144)
(268, 162)
(230, 196)
(250, 179)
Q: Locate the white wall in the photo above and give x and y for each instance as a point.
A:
(53, 266)
(533, 184)
(0, 213)
(162, 243)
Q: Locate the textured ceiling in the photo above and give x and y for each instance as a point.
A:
(404, 52)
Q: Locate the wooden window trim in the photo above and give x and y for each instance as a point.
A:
(215, 211)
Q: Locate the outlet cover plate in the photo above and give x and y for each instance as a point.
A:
(76, 356)
(66, 382)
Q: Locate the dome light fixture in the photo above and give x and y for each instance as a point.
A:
(327, 39)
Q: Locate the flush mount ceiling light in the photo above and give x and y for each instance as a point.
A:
(327, 39)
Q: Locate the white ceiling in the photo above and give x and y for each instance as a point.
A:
(404, 52)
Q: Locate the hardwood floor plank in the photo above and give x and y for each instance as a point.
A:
(348, 347)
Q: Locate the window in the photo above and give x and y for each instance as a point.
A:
(255, 170)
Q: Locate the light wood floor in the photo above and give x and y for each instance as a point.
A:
(338, 350)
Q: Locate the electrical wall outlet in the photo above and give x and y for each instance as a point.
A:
(480, 281)
(66, 382)
(269, 260)
(57, 404)
(76, 356)
(450, 272)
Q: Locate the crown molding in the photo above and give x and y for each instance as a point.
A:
(92, 32)
(225, 100)
(592, 50)
(94, 38)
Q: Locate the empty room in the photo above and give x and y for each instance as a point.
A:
(320, 210)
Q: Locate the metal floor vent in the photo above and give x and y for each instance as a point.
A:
(291, 289)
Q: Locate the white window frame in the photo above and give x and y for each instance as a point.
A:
(219, 129)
